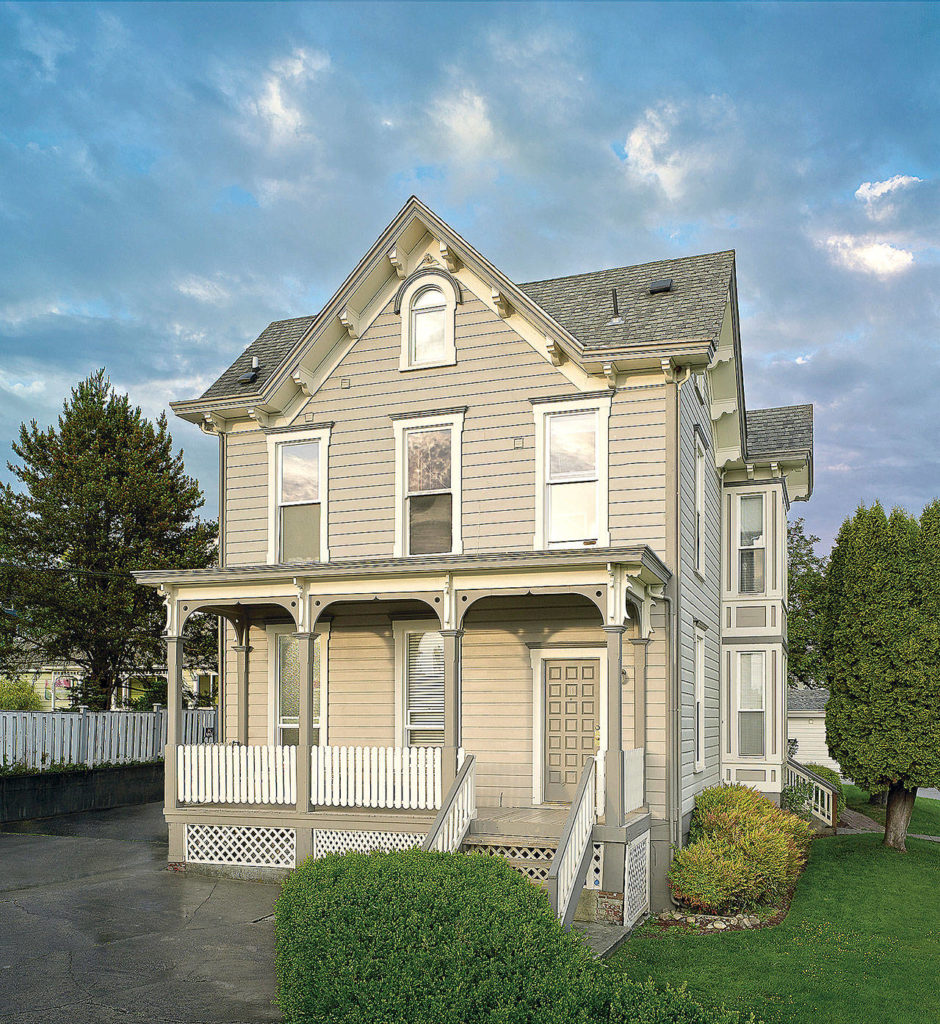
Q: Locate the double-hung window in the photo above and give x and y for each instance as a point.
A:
(751, 544)
(571, 473)
(419, 684)
(427, 481)
(297, 525)
(751, 703)
(285, 706)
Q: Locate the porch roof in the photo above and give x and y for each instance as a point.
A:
(651, 567)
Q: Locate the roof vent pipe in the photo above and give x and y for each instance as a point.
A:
(255, 363)
(616, 318)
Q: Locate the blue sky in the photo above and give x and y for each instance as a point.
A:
(175, 176)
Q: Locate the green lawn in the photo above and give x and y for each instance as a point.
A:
(861, 943)
(925, 820)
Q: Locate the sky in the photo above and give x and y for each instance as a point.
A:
(175, 176)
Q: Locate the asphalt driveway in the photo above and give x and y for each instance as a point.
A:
(95, 930)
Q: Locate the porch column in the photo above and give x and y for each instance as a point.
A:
(451, 708)
(613, 797)
(242, 653)
(307, 663)
(174, 715)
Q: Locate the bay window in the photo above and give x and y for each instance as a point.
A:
(751, 703)
(751, 544)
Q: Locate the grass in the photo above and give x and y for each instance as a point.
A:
(861, 942)
(925, 820)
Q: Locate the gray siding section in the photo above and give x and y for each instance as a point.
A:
(699, 599)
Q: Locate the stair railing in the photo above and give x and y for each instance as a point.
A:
(458, 810)
(573, 857)
(823, 801)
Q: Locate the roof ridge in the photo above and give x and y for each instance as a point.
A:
(628, 266)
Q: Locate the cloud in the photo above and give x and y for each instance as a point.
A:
(869, 256)
(22, 388)
(464, 118)
(203, 289)
(869, 192)
(279, 103)
(46, 42)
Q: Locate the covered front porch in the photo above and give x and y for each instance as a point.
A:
(412, 688)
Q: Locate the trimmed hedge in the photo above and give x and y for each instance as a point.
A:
(830, 776)
(743, 850)
(390, 938)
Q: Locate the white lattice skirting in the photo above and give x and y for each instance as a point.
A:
(335, 841)
(636, 881)
(241, 845)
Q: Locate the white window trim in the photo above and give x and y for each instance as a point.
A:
(698, 700)
(537, 658)
(698, 525)
(736, 537)
(274, 441)
(446, 288)
(764, 652)
(401, 629)
(322, 630)
(453, 421)
(542, 411)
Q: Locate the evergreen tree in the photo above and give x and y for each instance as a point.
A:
(880, 635)
(99, 495)
(805, 597)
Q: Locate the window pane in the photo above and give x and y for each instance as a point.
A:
(751, 571)
(572, 512)
(289, 737)
(752, 682)
(571, 445)
(424, 689)
(428, 297)
(428, 460)
(751, 733)
(300, 471)
(300, 533)
(429, 524)
(752, 520)
(288, 679)
(427, 335)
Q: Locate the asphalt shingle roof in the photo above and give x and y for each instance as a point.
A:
(788, 428)
(271, 347)
(692, 310)
(807, 698)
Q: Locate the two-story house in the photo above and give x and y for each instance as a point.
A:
(503, 568)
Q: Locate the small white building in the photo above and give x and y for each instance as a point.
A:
(806, 723)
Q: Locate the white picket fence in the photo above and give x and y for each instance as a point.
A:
(408, 777)
(229, 773)
(38, 739)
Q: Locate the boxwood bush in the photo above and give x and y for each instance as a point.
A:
(743, 850)
(830, 776)
(428, 938)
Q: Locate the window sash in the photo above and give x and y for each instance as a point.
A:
(424, 689)
(558, 447)
(287, 692)
(299, 536)
(428, 477)
(301, 491)
(427, 329)
(578, 520)
(699, 730)
(752, 703)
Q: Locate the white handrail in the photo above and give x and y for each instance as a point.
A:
(570, 861)
(225, 773)
(392, 777)
(452, 823)
(823, 801)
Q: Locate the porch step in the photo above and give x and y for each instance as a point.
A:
(539, 824)
(529, 855)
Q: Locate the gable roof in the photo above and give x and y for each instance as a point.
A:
(691, 310)
(785, 430)
(807, 698)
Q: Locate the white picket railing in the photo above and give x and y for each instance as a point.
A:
(405, 777)
(570, 863)
(822, 803)
(228, 773)
(38, 739)
(452, 823)
(634, 795)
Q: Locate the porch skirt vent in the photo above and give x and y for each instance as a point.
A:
(636, 883)
(327, 840)
(247, 846)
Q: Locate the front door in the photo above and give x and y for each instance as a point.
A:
(572, 716)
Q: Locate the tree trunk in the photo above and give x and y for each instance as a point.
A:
(898, 817)
(879, 799)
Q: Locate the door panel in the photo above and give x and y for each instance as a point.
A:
(572, 716)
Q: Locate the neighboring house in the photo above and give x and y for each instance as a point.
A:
(524, 522)
(806, 723)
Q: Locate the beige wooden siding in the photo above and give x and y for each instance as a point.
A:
(699, 599)
(657, 718)
(258, 693)
(246, 497)
(810, 732)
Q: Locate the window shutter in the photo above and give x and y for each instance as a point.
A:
(424, 690)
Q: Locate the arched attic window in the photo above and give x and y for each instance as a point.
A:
(428, 306)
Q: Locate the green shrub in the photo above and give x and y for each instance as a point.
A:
(644, 1003)
(833, 777)
(414, 936)
(795, 798)
(18, 695)
(743, 850)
